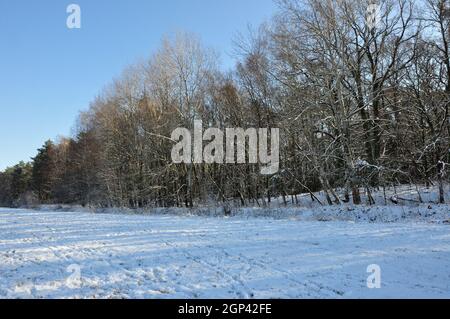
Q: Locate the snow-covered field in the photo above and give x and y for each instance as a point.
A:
(85, 255)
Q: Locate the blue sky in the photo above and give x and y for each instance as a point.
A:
(48, 73)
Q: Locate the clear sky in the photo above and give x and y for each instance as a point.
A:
(48, 73)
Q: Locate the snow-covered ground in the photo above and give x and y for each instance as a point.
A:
(84, 255)
(411, 207)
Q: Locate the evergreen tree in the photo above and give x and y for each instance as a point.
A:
(15, 183)
(42, 176)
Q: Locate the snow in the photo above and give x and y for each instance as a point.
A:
(166, 256)
(410, 208)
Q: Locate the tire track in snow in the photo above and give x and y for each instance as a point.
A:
(309, 284)
(251, 264)
(238, 285)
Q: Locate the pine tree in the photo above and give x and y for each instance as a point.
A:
(42, 177)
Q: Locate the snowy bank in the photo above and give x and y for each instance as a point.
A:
(430, 213)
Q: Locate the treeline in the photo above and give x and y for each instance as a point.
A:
(359, 106)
